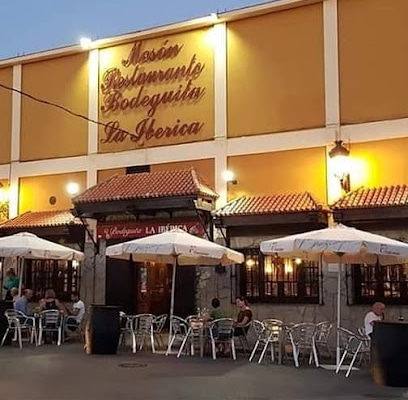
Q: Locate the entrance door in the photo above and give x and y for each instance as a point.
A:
(154, 289)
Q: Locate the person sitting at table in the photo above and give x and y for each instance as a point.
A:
(376, 314)
(22, 303)
(216, 312)
(76, 314)
(244, 317)
(14, 294)
(50, 301)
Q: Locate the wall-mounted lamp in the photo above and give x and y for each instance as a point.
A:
(4, 203)
(72, 188)
(339, 155)
(85, 43)
(229, 177)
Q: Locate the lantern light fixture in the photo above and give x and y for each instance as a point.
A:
(339, 155)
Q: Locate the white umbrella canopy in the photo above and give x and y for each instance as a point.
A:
(175, 247)
(352, 245)
(28, 245)
(339, 244)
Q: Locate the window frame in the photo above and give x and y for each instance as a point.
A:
(259, 283)
(61, 275)
(378, 284)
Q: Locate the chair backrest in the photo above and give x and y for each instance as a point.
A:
(51, 318)
(323, 330)
(222, 328)
(273, 328)
(159, 322)
(303, 333)
(179, 325)
(144, 322)
(259, 327)
(348, 340)
(12, 318)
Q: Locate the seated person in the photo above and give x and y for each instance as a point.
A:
(49, 302)
(22, 302)
(77, 313)
(243, 318)
(376, 314)
(14, 294)
(216, 312)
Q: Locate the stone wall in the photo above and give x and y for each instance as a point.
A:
(93, 274)
(222, 286)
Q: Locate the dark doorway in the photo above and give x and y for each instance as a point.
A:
(154, 289)
(120, 288)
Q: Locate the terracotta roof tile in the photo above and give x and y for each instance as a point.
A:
(147, 185)
(41, 219)
(387, 196)
(270, 204)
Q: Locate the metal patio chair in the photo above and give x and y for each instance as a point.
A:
(158, 324)
(51, 321)
(178, 331)
(143, 330)
(273, 332)
(17, 323)
(302, 338)
(222, 332)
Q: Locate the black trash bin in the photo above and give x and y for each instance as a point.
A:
(389, 353)
(104, 329)
(5, 305)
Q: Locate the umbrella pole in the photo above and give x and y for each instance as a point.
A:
(20, 264)
(338, 313)
(173, 287)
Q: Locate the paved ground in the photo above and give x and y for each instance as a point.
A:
(66, 372)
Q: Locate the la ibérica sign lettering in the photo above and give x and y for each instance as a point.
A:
(134, 230)
(140, 89)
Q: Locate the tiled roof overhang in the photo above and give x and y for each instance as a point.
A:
(365, 205)
(161, 190)
(278, 209)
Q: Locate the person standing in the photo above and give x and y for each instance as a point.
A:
(11, 281)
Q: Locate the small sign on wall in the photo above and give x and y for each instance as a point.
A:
(333, 267)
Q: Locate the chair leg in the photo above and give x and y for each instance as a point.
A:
(4, 336)
(59, 337)
(295, 355)
(234, 355)
(20, 342)
(134, 344)
(173, 338)
(39, 343)
(341, 360)
(254, 351)
(183, 343)
(272, 352)
(152, 341)
(263, 352)
(214, 353)
(354, 359)
(315, 355)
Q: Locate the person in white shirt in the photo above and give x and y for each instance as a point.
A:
(77, 312)
(376, 314)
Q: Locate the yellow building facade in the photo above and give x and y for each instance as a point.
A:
(263, 91)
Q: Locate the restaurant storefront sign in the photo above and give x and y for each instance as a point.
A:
(152, 91)
(133, 230)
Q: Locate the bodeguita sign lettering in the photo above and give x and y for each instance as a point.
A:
(140, 89)
(132, 230)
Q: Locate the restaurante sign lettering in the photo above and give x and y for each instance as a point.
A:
(140, 89)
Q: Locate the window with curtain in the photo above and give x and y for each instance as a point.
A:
(62, 276)
(387, 284)
(279, 280)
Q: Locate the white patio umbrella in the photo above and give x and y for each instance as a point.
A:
(29, 246)
(339, 244)
(178, 248)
